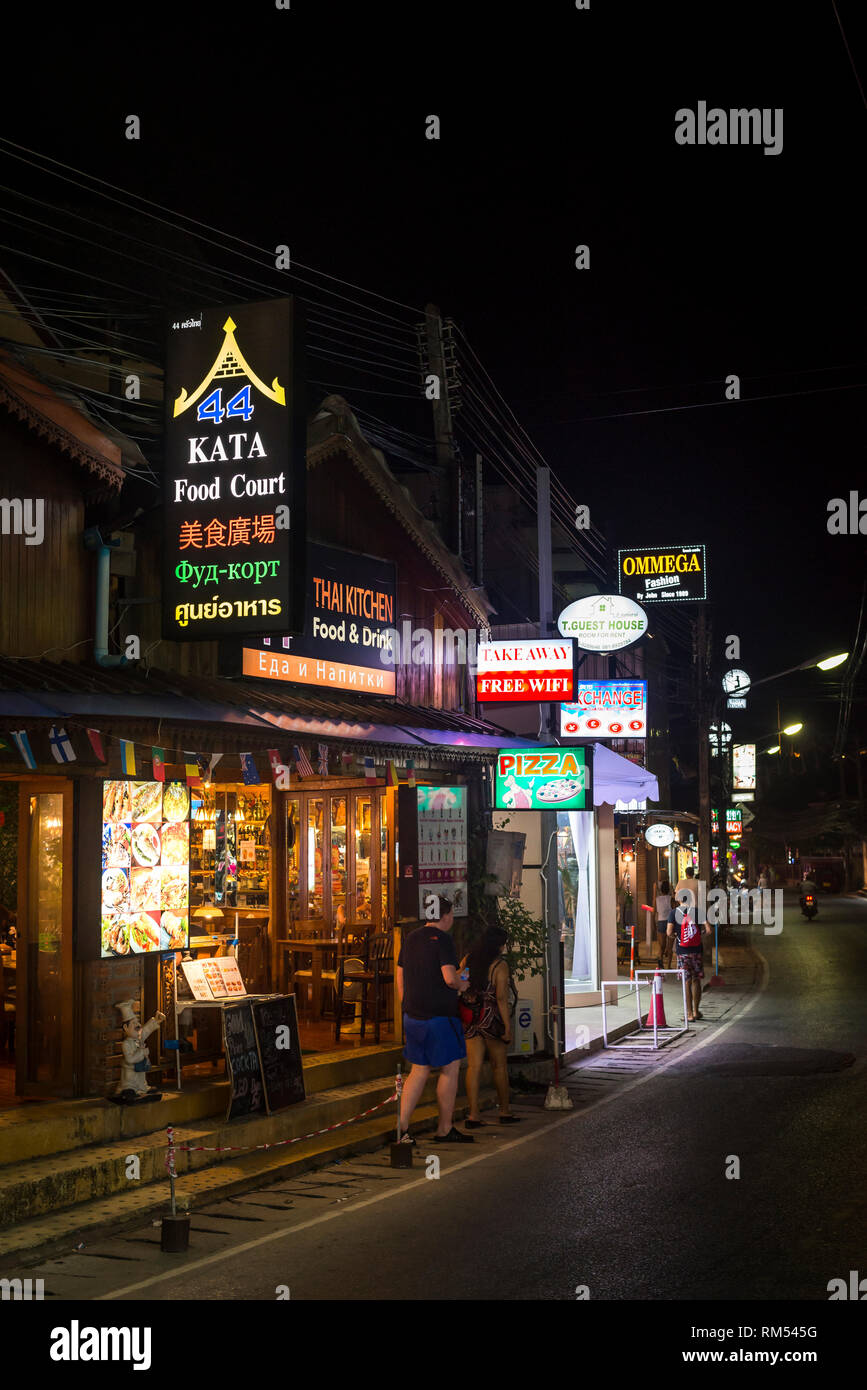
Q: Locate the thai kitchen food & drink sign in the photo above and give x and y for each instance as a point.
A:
(233, 527)
(145, 867)
(543, 779)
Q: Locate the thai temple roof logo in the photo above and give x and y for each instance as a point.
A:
(229, 362)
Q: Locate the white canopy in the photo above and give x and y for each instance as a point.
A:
(617, 779)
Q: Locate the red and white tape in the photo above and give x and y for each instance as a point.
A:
(279, 1143)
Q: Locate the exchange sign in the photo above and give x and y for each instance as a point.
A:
(233, 537)
(673, 572)
(606, 709)
(522, 671)
(543, 779)
(603, 622)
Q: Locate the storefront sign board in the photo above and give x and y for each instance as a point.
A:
(606, 709)
(744, 762)
(145, 899)
(603, 622)
(676, 573)
(543, 779)
(522, 671)
(234, 473)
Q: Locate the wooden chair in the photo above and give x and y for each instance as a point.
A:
(379, 972)
(300, 928)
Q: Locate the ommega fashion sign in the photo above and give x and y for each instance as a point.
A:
(348, 638)
(603, 622)
(543, 779)
(677, 572)
(606, 709)
(233, 536)
(529, 670)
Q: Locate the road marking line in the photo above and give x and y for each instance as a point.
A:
(206, 1260)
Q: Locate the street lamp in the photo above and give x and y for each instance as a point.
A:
(825, 663)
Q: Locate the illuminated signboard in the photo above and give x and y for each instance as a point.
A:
(543, 779)
(744, 756)
(714, 822)
(734, 820)
(348, 638)
(603, 622)
(442, 846)
(674, 572)
(145, 867)
(606, 709)
(659, 835)
(528, 670)
(233, 514)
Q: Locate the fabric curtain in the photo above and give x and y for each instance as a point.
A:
(581, 828)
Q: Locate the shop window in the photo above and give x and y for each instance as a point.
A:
(314, 844)
(576, 864)
(293, 857)
(339, 874)
(383, 858)
(45, 904)
(363, 857)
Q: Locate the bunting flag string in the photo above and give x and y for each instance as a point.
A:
(302, 762)
(198, 767)
(61, 747)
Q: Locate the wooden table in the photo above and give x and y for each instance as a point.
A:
(316, 948)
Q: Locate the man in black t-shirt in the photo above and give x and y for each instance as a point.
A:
(428, 985)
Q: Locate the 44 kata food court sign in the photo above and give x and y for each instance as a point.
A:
(543, 779)
(234, 473)
(674, 572)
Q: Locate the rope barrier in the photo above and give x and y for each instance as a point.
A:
(279, 1143)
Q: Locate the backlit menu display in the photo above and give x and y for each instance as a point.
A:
(145, 867)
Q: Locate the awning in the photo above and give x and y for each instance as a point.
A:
(617, 779)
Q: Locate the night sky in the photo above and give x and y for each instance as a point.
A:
(307, 127)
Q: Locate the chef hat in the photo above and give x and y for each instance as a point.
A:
(128, 1011)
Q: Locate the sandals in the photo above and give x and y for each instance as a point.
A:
(475, 1124)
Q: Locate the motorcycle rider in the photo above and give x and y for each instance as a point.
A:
(808, 886)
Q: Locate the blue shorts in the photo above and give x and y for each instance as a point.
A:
(433, 1042)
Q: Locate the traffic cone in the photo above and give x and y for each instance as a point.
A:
(657, 1006)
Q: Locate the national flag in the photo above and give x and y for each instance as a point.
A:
(369, 770)
(302, 763)
(347, 758)
(127, 757)
(249, 769)
(212, 763)
(158, 758)
(323, 759)
(410, 772)
(95, 738)
(203, 761)
(274, 760)
(61, 747)
(391, 778)
(22, 743)
(191, 769)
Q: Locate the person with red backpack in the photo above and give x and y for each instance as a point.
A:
(682, 925)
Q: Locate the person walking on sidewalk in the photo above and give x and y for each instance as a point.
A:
(665, 944)
(428, 985)
(486, 1009)
(689, 956)
(687, 884)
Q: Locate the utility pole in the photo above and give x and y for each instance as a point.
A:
(480, 520)
(546, 575)
(447, 464)
(704, 859)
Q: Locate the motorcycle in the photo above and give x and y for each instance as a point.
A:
(808, 906)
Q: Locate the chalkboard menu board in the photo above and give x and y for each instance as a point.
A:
(247, 1096)
(263, 1055)
(279, 1051)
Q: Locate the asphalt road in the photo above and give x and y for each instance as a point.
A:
(627, 1194)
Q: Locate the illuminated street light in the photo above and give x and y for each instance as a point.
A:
(793, 729)
(831, 661)
(773, 750)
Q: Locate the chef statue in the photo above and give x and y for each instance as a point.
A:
(133, 1087)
